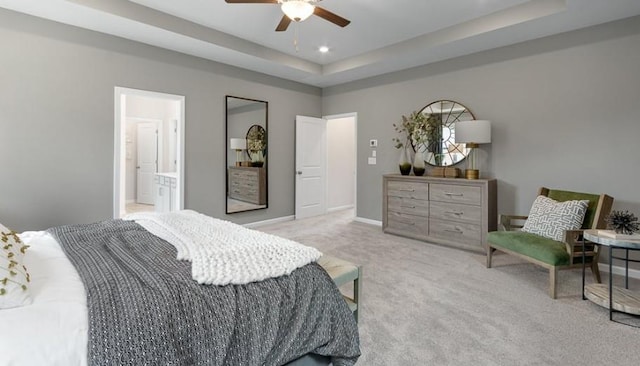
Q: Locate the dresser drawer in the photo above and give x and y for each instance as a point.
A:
(408, 190)
(464, 233)
(248, 184)
(455, 211)
(410, 206)
(241, 175)
(455, 194)
(410, 225)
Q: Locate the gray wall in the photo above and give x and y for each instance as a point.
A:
(57, 122)
(564, 111)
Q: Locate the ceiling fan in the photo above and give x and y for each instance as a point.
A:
(298, 10)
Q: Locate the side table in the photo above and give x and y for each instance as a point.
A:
(615, 298)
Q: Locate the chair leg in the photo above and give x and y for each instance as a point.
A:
(553, 281)
(489, 256)
(596, 271)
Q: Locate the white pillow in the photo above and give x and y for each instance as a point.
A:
(14, 278)
(550, 218)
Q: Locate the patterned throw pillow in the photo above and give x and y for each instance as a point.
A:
(550, 218)
(14, 278)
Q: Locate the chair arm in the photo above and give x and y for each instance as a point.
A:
(573, 244)
(506, 222)
(572, 238)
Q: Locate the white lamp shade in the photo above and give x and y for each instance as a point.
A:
(297, 10)
(238, 144)
(476, 132)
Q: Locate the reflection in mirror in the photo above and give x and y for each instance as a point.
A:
(257, 145)
(440, 147)
(246, 157)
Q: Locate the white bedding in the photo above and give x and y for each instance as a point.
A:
(53, 329)
(222, 252)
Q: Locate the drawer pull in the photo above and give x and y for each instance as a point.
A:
(408, 206)
(456, 231)
(454, 194)
(407, 190)
(454, 213)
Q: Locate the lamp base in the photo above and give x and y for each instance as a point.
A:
(472, 174)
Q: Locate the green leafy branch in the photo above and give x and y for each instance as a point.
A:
(416, 129)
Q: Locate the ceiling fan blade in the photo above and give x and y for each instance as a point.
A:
(332, 17)
(252, 1)
(284, 24)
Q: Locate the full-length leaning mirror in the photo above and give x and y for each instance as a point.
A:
(439, 146)
(246, 158)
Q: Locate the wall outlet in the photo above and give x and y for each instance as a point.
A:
(373, 143)
(372, 161)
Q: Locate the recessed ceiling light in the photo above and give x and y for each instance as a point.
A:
(323, 49)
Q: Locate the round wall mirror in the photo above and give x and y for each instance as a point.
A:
(256, 143)
(438, 142)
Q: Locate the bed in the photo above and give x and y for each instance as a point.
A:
(115, 293)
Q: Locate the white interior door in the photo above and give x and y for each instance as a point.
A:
(311, 166)
(147, 161)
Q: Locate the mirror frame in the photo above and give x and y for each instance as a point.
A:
(448, 122)
(246, 153)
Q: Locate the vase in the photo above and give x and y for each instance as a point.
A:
(404, 163)
(418, 164)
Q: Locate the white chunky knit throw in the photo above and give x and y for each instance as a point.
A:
(222, 252)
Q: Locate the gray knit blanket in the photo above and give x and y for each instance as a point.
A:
(145, 309)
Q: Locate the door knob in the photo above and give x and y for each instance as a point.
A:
(299, 172)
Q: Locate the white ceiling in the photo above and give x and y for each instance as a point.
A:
(384, 35)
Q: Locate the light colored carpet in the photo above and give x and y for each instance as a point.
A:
(425, 304)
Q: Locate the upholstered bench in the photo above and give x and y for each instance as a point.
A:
(343, 272)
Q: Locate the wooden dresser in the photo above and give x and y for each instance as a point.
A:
(248, 184)
(450, 211)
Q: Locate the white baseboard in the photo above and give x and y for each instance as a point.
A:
(617, 270)
(368, 221)
(130, 201)
(270, 221)
(339, 208)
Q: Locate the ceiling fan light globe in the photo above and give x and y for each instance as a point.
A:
(297, 10)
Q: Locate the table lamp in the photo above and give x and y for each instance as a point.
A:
(238, 145)
(473, 133)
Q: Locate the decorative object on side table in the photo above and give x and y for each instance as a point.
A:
(473, 133)
(404, 163)
(238, 145)
(450, 172)
(622, 225)
(412, 130)
(437, 171)
(418, 164)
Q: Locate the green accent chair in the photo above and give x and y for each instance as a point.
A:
(548, 253)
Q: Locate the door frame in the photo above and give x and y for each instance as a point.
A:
(355, 157)
(119, 148)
